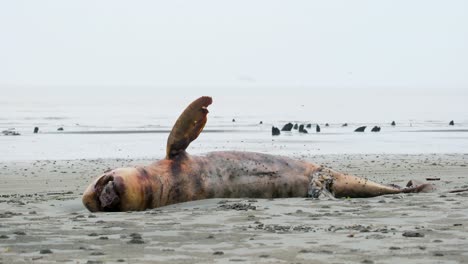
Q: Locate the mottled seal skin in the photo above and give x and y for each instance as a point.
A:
(181, 177)
(187, 178)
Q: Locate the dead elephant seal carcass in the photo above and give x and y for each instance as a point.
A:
(181, 177)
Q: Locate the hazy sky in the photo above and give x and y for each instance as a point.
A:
(384, 44)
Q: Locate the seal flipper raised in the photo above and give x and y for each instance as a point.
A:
(188, 126)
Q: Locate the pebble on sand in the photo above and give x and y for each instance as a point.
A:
(94, 262)
(413, 234)
(45, 251)
(136, 241)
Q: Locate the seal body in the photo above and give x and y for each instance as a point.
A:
(181, 177)
(227, 174)
(188, 178)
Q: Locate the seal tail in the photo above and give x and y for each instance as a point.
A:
(344, 185)
(414, 186)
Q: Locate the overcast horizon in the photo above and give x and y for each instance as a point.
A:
(301, 45)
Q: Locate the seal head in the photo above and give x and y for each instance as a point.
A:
(125, 189)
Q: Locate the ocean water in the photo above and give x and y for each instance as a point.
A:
(109, 125)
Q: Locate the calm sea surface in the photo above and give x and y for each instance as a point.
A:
(137, 126)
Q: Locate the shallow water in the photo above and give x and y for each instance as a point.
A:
(138, 126)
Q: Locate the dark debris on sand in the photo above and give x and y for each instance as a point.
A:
(136, 239)
(413, 234)
(238, 207)
(45, 251)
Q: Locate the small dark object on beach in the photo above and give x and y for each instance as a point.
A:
(451, 123)
(375, 129)
(302, 130)
(261, 122)
(459, 190)
(309, 126)
(36, 129)
(94, 262)
(238, 207)
(60, 129)
(135, 235)
(10, 132)
(393, 123)
(326, 124)
(317, 128)
(296, 126)
(275, 131)
(136, 241)
(45, 251)
(233, 120)
(432, 179)
(412, 234)
(360, 129)
(218, 253)
(287, 127)
(345, 125)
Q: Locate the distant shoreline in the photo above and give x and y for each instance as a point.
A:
(143, 131)
(210, 131)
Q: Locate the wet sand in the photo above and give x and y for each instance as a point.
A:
(42, 219)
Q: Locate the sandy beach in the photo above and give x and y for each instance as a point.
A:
(376, 89)
(43, 220)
